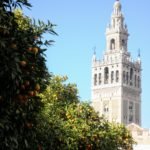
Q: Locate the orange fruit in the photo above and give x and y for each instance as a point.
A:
(29, 125)
(23, 63)
(30, 49)
(35, 37)
(20, 97)
(35, 50)
(22, 87)
(35, 93)
(27, 83)
(37, 87)
(1, 98)
(31, 93)
(13, 45)
(25, 97)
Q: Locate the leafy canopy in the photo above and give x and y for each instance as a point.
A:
(71, 124)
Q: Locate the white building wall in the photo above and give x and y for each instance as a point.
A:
(117, 97)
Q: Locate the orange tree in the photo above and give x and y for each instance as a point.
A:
(70, 124)
(23, 74)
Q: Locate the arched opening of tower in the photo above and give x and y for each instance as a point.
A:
(112, 44)
(117, 76)
(106, 75)
(123, 44)
(131, 76)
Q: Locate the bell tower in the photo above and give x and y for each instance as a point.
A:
(116, 32)
(116, 79)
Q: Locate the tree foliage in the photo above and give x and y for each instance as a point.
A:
(37, 112)
(71, 124)
(23, 74)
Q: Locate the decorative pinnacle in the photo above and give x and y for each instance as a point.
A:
(94, 50)
(139, 53)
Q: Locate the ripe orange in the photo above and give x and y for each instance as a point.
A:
(35, 37)
(29, 125)
(31, 93)
(20, 97)
(22, 87)
(23, 63)
(30, 49)
(27, 83)
(0, 97)
(35, 50)
(25, 97)
(37, 87)
(35, 93)
(13, 45)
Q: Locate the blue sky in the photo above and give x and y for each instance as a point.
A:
(81, 26)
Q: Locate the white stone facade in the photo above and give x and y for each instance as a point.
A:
(141, 137)
(116, 79)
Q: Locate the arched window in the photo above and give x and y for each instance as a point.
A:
(135, 78)
(138, 82)
(100, 80)
(106, 75)
(112, 76)
(117, 76)
(127, 78)
(124, 45)
(124, 77)
(131, 76)
(95, 79)
(106, 108)
(112, 44)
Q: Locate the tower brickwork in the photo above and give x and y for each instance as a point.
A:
(116, 79)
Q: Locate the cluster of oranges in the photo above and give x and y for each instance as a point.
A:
(28, 93)
(34, 50)
(28, 88)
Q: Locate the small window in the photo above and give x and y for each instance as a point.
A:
(135, 78)
(117, 76)
(106, 75)
(124, 44)
(124, 77)
(131, 106)
(112, 76)
(100, 79)
(130, 118)
(112, 44)
(95, 79)
(106, 109)
(139, 133)
(127, 78)
(131, 76)
(138, 82)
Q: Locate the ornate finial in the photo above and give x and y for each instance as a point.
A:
(94, 50)
(139, 57)
(139, 53)
(94, 55)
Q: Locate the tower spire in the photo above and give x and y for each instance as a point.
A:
(94, 54)
(116, 79)
(139, 56)
(117, 32)
(94, 50)
(139, 53)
